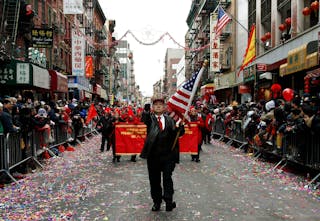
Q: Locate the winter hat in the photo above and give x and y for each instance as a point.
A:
(42, 112)
(270, 105)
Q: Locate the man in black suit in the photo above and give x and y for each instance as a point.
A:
(161, 152)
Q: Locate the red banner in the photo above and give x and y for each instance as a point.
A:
(130, 138)
(188, 143)
(89, 66)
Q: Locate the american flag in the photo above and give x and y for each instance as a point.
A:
(180, 102)
(223, 20)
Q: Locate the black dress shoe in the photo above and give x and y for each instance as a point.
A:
(170, 206)
(198, 160)
(156, 207)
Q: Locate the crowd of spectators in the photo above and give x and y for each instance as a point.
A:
(266, 123)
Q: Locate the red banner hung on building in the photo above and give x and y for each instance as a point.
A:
(130, 139)
(89, 66)
(188, 143)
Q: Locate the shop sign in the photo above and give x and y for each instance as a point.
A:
(244, 89)
(283, 69)
(42, 37)
(23, 73)
(214, 46)
(78, 52)
(7, 74)
(296, 59)
(207, 89)
(312, 60)
(262, 67)
(249, 73)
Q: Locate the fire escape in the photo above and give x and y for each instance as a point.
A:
(9, 27)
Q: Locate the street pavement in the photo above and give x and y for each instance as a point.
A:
(226, 185)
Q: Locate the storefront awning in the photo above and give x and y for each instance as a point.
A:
(58, 82)
(313, 74)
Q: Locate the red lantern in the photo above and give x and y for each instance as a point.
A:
(288, 94)
(276, 88)
(263, 38)
(268, 35)
(282, 27)
(306, 11)
(315, 6)
(288, 21)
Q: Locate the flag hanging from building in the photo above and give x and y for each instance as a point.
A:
(250, 54)
(223, 20)
(180, 102)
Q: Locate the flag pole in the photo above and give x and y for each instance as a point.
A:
(194, 89)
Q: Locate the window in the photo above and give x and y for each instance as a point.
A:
(252, 13)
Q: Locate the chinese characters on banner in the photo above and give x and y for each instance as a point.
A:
(89, 67)
(78, 52)
(130, 138)
(72, 7)
(214, 45)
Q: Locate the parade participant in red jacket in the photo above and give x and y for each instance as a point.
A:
(196, 118)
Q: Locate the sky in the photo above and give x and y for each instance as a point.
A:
(148, 20)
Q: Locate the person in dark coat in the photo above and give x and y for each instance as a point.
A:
(161, 152)
(105, 124)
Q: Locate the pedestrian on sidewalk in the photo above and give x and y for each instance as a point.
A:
(161, 152)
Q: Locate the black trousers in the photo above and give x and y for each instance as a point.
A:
(103, 142)
(156, 168)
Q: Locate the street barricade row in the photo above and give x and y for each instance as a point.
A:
(287, 148)
(21, 147)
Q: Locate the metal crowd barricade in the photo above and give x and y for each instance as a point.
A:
(11, 152)
(40, 143)
(238, 133)
(313, 156)
(218, 128)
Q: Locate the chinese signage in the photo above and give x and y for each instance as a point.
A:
(42, 38)
(7, 74)
(215, 46)
(249, 73)
(297, 59)
(78, 52)
(72, 7)
(23, 73)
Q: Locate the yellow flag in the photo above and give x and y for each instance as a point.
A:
(250, 54)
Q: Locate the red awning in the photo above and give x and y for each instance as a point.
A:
(313, 74)
(59, 82)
